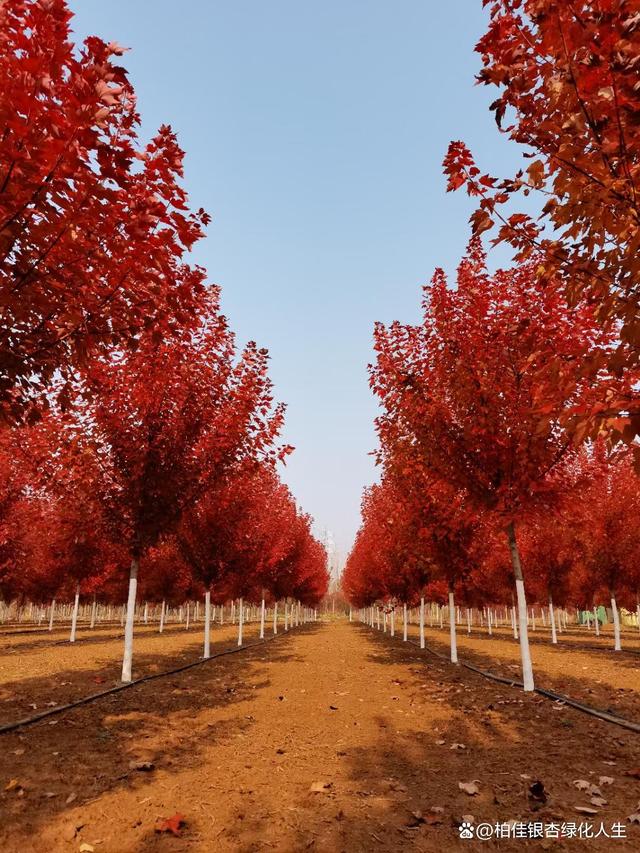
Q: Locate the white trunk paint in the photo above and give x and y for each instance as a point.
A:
(489, 626)
(422, 622)
(127, 658)
(51, 612)
(525, 652)
(275, 618)
(262, 619)
(452, 630)
(92, 624)
(552, 622)
(393, 622)
(468, 621)
(404, 622)
(240, 620)
(74, 615)
(616, 624)
(186, 627)
(162, 612)
(207, 625)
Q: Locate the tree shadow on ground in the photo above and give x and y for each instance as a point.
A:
(18, 696)
(451, 726)
(103, 634)
(94, 749)
(581, 685)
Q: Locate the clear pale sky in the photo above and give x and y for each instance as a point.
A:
(314, 134)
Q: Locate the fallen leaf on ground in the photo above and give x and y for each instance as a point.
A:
(319, 787)
(144, 766)
(171, 824)
(470, 788)
(586, 810)
(537, 792)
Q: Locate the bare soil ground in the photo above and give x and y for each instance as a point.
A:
(580, 665)
(330, 738)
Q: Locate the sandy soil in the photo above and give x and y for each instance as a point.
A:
(580, 665)
(39, 671)
(330, 738)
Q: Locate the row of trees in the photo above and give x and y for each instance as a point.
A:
(134, 433)
(488, 402)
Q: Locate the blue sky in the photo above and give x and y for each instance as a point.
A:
(314, 134)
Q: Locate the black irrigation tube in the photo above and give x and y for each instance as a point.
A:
(549, 694)
(28, 721)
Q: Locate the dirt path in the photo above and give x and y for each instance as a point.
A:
(236, 746)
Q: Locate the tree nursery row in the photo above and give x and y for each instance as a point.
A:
(508, 433)
(139, 444)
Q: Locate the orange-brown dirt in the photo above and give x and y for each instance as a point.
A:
(383, 731)
(580, 666)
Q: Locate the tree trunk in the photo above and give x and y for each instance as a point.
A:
(393, 621)
(74, 615)
(525, 652)
(207, 625)
(404, 622)
(452, 629)
(53, 610)
(127, 658)
(240, 620)
(186, 625)
(616, 624)
(162, 610)
(552, 622)
(262, 619)
(422, 622)
(93, 613)
(275, 617)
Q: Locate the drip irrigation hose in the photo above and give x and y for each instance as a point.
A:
(549, 694)
(59, 709)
